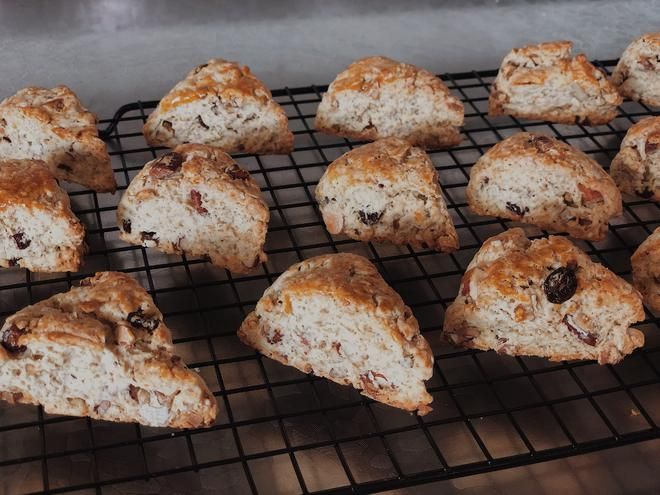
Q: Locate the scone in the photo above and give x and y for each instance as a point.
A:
(543, 298)
(53, 126)
(101, 350)
(196, 200)
(636, 168)
(386, 191)
(545, 82)
(637, 74)
(377, 97)
(38, 230)
(334, 316)
(533, 178)
(220, 104)
(646, 270)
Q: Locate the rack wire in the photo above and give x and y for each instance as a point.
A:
(279, 430)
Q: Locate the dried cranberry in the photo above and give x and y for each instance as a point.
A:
(646, 193)
(22, 242)
(168, 125)
(586, 337)
(275, 338)
(650, 147)
(65, 167)
(127, 226)
(237, 173)
(514, 208)
(133, 391)
(5, 138)
(560, 285)
(13, 261)
(10, 339)
(148, 236)
(196, 200)
(541, 143)
(138, 320)
(370, 218)
(166, 165)
(201, 122)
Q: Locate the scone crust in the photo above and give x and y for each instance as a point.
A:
(223, 84)
(402, 178)
(637, 75)
(636, 168)
(93, 319)
(29, 184)
(588, 198)
(62, 116)
(350, 280)
(510, 270)
(377, 97)
(646, 270)
(527, 73)
(205, 170)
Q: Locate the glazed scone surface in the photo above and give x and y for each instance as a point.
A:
(52, 125)
(637, 74)
(646, 270)
(387, 190)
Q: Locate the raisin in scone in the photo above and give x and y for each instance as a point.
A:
(101, 350)
(386, 191)
(196, 200)
(377, 97)
(646, 270)
(533, 178)
(636, 168)
(220, 104)
(53, 126)
(38, 230)
(543, 298)
(544, 82)
(334, 316)
(637, 74)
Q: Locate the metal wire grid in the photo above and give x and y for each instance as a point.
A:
(279, 430)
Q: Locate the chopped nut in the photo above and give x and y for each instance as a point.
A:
(124, 335)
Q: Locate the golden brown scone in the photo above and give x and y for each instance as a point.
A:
(38, 230)
(101, 350)
(533, 178)
(646, 270)
(387, 190)
(637, 74)
(377, 97)
(544, 82)
(221, 104)
(543, 298)
(334, 316)
(52, 125)
(636, 168)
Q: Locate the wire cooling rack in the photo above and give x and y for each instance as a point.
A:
(280, 431)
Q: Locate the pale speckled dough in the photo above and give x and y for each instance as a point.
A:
(636, 168)
(220, 104)
(101, 350)
(646, 270)
(533, 178)
(637, 74)
(196, 200)
(38, 230)
(377, 97)
(386, 191)
(334, 316)
(502, 304)
(544, 82)
(53, 126)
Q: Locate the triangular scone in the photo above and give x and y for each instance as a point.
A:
(537, 179)
(220, 104)
(377, 97)
(196, 200)
(636, 168)
(638, 72)
(646, 270)
(53, 126)
(38, 230)
(101, 350)
(545, 82)
(334, 316)
(386, 191)
(543, 298)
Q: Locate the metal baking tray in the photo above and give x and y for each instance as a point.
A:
(281, 431)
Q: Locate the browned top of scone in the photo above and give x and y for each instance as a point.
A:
(366, 75)
(647, 129)
(217, 77)
(59, 107)
(30, 183)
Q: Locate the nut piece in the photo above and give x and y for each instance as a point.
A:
(124, 335)
(10, 339)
